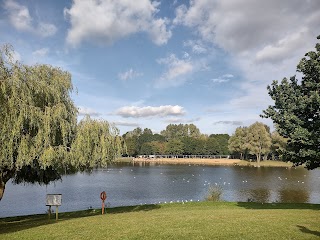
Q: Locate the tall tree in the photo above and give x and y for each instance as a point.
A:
(259, 140)
(238, 142)
(39, 137)
(37, 120)
(296, 111)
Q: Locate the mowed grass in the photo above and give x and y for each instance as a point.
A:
(204, 220)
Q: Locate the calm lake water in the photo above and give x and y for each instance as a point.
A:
(128, 184)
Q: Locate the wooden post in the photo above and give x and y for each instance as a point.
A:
(49, 212)
(56, 213)
(102, 209)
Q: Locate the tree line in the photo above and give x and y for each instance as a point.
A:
(176, 139)
(257, 142)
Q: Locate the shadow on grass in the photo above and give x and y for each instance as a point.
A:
(14, 224)
(257, 205)
(306, 230)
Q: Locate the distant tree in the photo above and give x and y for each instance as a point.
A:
(259, 140)
(192, 131)
(146, 149)
(134, 133)
(132, 146)
(173, 131)
(158, 148)
(181, 130)
(296, 111)
(174, 147)
(238, 142)
(212, 146)
(222, 139)
(189, 145)
(147, 131)
(278, 145)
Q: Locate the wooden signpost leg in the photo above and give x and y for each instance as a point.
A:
(56, 213)
(49, 212)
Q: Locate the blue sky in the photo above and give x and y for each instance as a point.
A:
(151, 63)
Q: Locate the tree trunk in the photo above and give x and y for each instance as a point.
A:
(2, 187)
(4, 178)
(258, 159)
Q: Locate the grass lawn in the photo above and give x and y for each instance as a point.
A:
(204, 220)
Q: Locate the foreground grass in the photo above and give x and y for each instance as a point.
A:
(206, 220)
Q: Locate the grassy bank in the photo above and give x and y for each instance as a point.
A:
(205, 220)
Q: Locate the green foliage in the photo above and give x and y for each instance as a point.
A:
(174, 147)
(96, 144)
(38, 119)
(259, 140)
(296, 111)
(39, 136)
(144, 142)
(190, 141)
(255, 139)
(278, 145)
(238, 142)
(222, 140)
(181, 130)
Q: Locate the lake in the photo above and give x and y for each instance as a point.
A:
(127, 184)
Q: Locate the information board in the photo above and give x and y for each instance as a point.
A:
(53, 199)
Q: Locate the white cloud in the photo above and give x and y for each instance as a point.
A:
(87, 111)
(196, 46)
(222, 79)
(284, 47)
(130, 74)
(219, 80)
(176, 71)
(234, 123)
(20, 18)
(181, 120)
(140, 112)
(107, 21)
(264, 39)
(126, 124)
(41, 52)
(238, 28)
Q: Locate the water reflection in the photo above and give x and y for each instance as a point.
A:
(293, 196)
(128, 184)
(261, 195)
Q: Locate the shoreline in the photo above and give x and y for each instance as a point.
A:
(211, 162)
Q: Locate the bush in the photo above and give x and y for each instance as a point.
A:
(214, 194)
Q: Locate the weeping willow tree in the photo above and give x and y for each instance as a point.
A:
(38, 126)
(96, 144)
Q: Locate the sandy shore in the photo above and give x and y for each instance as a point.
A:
(218, 161)
(200, 161)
